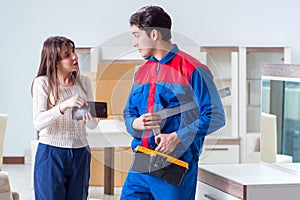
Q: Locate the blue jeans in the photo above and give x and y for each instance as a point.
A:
(61, 173)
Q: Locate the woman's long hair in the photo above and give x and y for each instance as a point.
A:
(52, 54)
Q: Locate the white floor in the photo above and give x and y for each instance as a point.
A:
(20, 180)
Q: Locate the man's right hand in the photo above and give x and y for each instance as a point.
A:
(147, 121)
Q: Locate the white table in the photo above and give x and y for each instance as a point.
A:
(109, 134)
(289, 167)
(248, 182)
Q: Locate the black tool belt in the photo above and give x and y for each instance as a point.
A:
(160, 165)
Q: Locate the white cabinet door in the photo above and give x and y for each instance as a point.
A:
(214, 154)
(206, 192)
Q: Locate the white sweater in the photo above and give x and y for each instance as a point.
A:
(55, 128)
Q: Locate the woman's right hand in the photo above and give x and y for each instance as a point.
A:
(76, 100)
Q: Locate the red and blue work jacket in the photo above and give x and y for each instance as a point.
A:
(176, 79)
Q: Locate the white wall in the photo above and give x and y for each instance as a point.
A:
(26, 24)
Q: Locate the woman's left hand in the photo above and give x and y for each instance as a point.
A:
(87, 117)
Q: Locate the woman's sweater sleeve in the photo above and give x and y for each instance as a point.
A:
(42, 117)
(92, 124)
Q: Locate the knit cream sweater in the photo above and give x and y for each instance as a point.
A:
(55, 128)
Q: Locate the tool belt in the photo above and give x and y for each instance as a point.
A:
(160, 165)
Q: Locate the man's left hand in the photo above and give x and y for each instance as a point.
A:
(166, 142)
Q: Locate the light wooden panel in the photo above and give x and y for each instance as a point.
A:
(113, 84)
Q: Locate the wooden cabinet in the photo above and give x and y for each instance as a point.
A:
(246, 182)
(122, 162)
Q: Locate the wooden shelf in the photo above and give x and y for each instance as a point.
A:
(219, 49)
(222, 141)
(265, 49)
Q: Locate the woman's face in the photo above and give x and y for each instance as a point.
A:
(69, 61)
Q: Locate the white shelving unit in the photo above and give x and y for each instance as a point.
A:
(223, 145)
(239, 68)
(250, 87)
(223, 63)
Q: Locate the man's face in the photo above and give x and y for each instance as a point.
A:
(142, 42)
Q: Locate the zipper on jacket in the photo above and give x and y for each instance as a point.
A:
(158, 68)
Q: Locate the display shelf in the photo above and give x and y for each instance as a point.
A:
(250, 86)
(239, 68)
(256, 56)
(223, 63)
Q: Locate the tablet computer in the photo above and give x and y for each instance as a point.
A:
(97, 110)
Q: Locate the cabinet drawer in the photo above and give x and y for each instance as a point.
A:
(206, 192)
(217, 154)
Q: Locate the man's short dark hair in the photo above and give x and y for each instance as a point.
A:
(152, 17)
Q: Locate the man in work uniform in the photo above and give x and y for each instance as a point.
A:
(169, 78)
